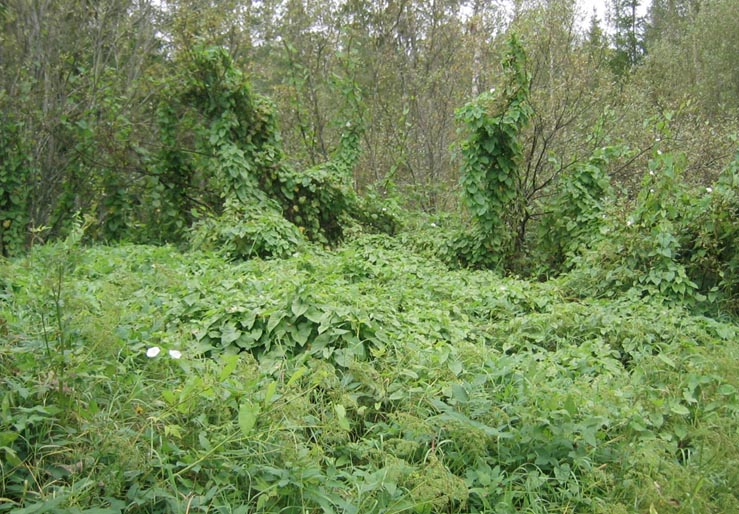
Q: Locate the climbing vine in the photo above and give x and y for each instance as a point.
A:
(222, 158)
(575, 210)
(491, 152)
(13, 190)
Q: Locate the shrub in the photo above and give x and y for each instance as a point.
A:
(491, 153)
(245, 233)
(676, 242)
(576, 211)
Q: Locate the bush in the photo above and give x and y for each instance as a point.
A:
(676, 242)
(246, 233)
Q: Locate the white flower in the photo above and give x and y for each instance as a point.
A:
(651, 190)
(651, 172)
(175, 354)
(629, 223)
(384, 209)
(659, 152)
(433, 225)
(153, 352)
(709, 190)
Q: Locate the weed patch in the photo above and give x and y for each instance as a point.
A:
(364, 379)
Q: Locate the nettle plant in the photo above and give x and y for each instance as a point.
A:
(491, 153)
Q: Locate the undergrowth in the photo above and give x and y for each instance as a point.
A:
(365, 379)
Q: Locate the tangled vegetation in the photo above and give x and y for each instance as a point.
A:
(224, 328)
(365, 379)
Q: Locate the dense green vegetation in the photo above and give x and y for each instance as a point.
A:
(366, 379)
(250, 264)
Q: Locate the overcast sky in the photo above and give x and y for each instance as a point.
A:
(588, 6)
(600, 6)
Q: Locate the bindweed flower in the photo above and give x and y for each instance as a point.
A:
(175, 354)
(153, 352)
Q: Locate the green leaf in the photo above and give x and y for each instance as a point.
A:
(248, 414)
(49, 505)
(274, 320)
(297, 375)
(229, 363)
(459, 393)
(298, 307)
(664, 358)
(570, 405)
(7, 438)
(726, 389)
(679, 409)
(229, 333)
(269, 394)
(341, 415)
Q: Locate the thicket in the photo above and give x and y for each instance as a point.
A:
(222, 169)
(217, 176)
(365, 379)
(257, 336)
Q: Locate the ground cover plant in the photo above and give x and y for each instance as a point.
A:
(364, 379)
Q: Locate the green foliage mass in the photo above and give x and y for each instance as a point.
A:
(492, 153)
(576, 211)
(222, 153)
(302, 351)
(14, 173)
(675, 241)
(362, 379)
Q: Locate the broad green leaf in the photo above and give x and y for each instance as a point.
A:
(459, 393)
(269, 394)
(229, 363)
(341, 415)
(679, 409)
(229, 333)
(7, 438)
(299, 308)
(274, 320)
(248, 414)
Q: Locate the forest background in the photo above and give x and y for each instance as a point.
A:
(85, 88)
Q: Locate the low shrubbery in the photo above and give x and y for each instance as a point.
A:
(675, 242)
(366, 379)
